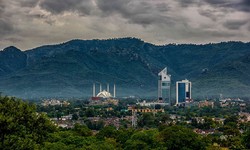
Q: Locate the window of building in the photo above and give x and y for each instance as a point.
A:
(165, 84)
(159, 77)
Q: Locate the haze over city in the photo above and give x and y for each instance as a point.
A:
(30, 23)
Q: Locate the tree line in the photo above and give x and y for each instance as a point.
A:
(22, 127)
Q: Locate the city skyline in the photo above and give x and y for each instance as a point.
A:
(31, 23)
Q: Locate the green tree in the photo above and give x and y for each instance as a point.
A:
(235, 143)
(82, 130)
(145, 139)
(90, 112)
(107, 132)
(20, 126)
(75, 116)
(214, 147)
(106, 144)
(246, 139)
(146, 120)
(123, 135)
(136, 145)
(231, 119)
(178, 137)
(94, 125)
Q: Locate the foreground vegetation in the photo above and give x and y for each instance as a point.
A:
(21, 127)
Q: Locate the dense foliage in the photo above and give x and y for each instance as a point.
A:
(21, 127)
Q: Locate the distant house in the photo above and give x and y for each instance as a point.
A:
(205, 104)
(244, 117)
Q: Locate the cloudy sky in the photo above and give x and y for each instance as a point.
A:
(31, 23)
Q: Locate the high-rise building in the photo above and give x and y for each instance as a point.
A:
(183, 91)
(164, 81)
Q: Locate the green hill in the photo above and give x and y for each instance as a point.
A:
(69, 69)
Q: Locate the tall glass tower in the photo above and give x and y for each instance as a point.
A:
(164, 81)
(183, 91)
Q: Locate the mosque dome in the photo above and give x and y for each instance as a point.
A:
(104, 94)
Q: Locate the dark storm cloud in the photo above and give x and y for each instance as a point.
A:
(234, 24)
(186, 3)
(241, 5)
(244, 5)
(138, 12)
(28, 3)
(82, 7)
(218, 2)
(117, 6)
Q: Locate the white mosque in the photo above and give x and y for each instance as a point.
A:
(104, 97)
(103, 93)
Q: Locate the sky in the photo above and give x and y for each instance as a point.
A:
(27, 24)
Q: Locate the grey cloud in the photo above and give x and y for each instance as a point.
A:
(46, 18)
(5, 27)
(2, 6)
(138, 12)
(126, 8)
(50, 21)
(110, 6)
(234, 24)
(28, 3)
(162, 7)
(218, 2)
(186, 3)
(150, 20)
(147, 19)
(38, 16)
(82, 7)
(241, 5)
(13, 40)
(208, 13)
(5, 24)
(220, 34)
(19, 3)
(244, 5)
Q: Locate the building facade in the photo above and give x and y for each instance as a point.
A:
(164, 82)
(183, 91)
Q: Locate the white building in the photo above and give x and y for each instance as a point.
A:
(104, 93)
(164, 82)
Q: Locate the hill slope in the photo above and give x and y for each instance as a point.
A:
(70, 68)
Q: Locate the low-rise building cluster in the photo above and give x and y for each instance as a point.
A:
(54, 102)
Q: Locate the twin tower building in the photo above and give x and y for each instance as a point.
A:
(183, 89)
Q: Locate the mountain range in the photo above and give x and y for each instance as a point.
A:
(69, 69)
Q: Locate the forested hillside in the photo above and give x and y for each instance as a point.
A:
(70, 68)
